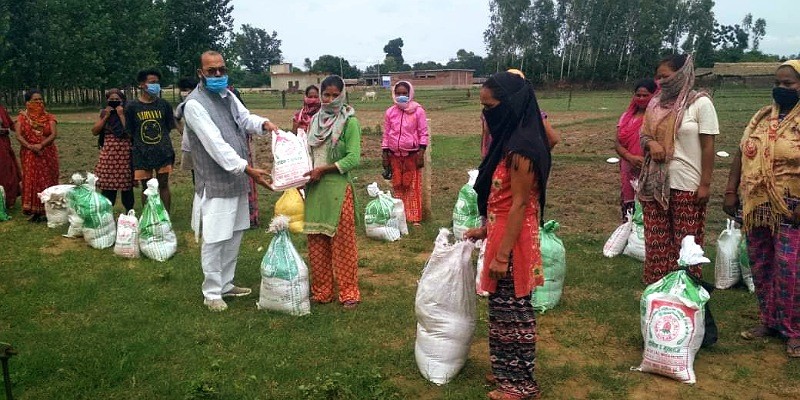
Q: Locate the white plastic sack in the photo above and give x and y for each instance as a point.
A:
(615, 244)
(635, 246)
(380, 216)
(284, 274)
(481, 245)
(90, 214)
(55, 204)
(465, 212)
(75, 221)
(445, 309)
(726, 266)
(399, 214)
(157, 240)
(673, 319)
(127, 243)
(744, 264)
(291, 160)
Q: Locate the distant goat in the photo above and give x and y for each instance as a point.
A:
(369, 96)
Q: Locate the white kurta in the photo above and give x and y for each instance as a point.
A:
(225, 214)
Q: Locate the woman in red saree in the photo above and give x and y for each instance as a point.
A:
(36, 132)
(10, 172)
(628, 147)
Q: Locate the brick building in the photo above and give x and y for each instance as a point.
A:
(435, 78)
(282, 78)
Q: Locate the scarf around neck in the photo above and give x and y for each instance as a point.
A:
(329, 122)
(516, 127)
(662, 120)
(303, 117)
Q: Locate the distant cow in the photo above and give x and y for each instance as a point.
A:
(369, 96)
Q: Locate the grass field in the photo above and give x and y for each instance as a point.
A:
(89, 325)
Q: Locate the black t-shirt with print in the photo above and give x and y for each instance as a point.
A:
(149, 124)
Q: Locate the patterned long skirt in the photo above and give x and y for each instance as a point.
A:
(775, 260)
(39, 172)
(512, 340)
(336, 256)
(113, 168)
(407, 184)
(664, 230)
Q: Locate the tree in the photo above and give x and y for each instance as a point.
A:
(257, 49)
(328, 64)
(427, 65)
(307, 64)
(467, 60)
(192, 27)
(759, 30)
(394, 49)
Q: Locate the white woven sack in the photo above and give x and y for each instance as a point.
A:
(726, 265)
(615, 244)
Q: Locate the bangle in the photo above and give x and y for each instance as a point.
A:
(730, 191)
(501, 261)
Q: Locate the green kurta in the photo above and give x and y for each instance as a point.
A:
(324, 199)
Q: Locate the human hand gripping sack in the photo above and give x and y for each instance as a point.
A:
(475, 234)
(268, 126)
(260, 176)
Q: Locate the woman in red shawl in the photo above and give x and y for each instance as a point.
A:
(311, 105)
(36, 132)
(10, 172)
(628, 148)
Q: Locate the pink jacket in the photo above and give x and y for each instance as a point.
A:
(405, 130)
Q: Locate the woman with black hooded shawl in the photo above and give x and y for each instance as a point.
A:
(511, 195)
(113, 167)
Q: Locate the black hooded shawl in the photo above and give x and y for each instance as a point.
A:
(516, 127)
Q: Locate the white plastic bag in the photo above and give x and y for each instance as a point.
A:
(94, 212)
(465, 212)
(673, 319)
(55, 204)
(75, 229)
(744, 265)
(399, 214)
(291, 160)
(619, 239)
(380, 216)
(127, 243)
(726, 266)
(481, 245)
(284, 275)
(157, 240)
(445, 309)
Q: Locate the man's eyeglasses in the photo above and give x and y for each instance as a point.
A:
(217, 70)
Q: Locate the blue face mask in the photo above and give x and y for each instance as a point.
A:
(402, 99)
(154, 89)
(216, 84)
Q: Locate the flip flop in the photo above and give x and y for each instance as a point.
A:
(793, 348)
(758, 332)
(501, 395)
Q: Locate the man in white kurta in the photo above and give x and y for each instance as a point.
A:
(220, 214)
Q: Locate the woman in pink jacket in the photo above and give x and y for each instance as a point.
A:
(405, 138)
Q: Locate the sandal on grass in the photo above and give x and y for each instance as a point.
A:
(758, 332)
(491, 379)
(501, 395)
(350, 304)
(793, 348)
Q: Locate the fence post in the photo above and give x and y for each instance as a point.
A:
(427, 179)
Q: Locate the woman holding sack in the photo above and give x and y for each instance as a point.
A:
(311, 104)
(36, 133)
(334, 140)
(678, 140)
(627, 146)
(765, 180)
(511, 195)
(113, 168)
(405, 138)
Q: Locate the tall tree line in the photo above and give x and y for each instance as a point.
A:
(611, 40)
(68, 45)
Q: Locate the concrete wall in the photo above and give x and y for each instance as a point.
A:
(295, 82)
(435, 78)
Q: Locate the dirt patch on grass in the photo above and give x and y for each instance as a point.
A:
(60, 245)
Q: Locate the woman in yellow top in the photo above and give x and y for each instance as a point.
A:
(765, 179)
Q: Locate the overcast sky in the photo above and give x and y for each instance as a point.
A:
(433, 30)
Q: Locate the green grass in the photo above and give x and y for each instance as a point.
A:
(90, 325)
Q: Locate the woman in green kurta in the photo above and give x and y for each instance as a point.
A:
(334, 141)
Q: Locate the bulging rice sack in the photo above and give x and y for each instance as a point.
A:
(744, 265)
(127, 243)
(615, 244)
(291, 160)
(635, 247)
(291, 204)
(445, 309)
(379, 217)
(157, 240)
(55, 204)
(465, 212)
(399, 215)
(3, 212)
(95, 212)
(284, 275)
(673, 312)
(554, 265)
(727, 271)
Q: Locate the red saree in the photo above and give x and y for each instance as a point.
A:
(39, 171)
